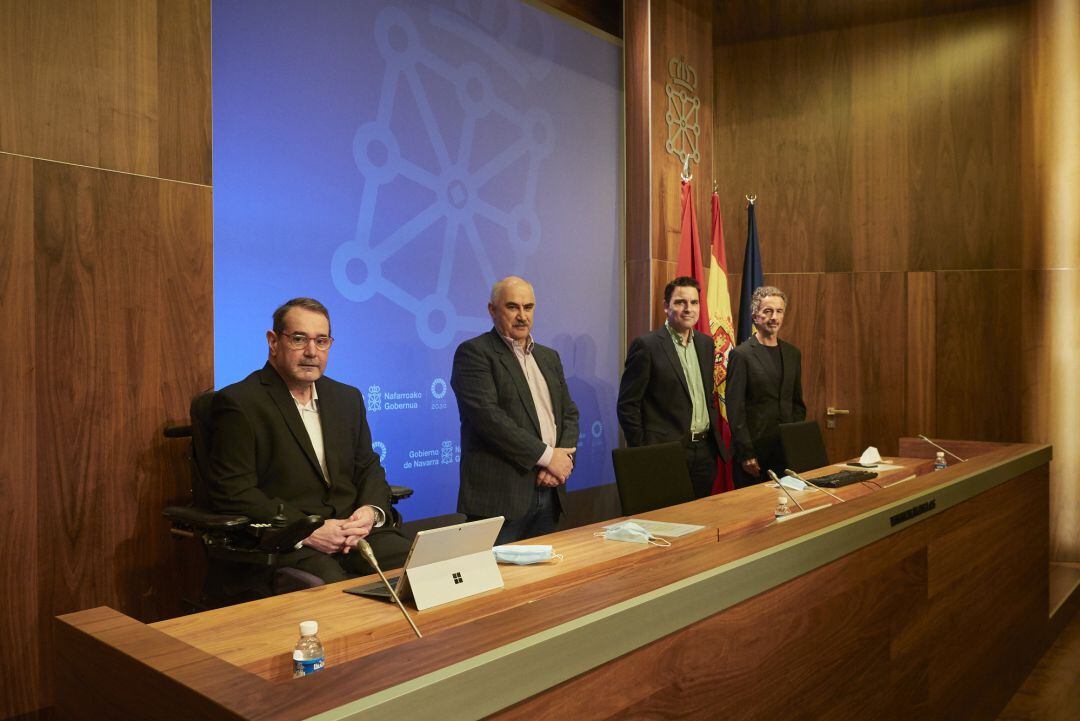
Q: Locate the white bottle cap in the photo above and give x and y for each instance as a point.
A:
(941, 454)
(309, 628)
(782, 500)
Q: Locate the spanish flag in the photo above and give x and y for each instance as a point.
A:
(723, 333)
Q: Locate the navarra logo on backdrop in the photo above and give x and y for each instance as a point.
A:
(380, 448)
(482, 183)
(374, 399)
(448, 453)
(380, 400)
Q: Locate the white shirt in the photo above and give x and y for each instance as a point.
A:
(309, 414)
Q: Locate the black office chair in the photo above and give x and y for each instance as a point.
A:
(803, 446)
(241, 555)
(651, 477)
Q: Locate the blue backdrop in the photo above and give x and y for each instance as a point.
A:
(394, 159)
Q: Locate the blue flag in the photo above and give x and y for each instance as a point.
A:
(753, 276)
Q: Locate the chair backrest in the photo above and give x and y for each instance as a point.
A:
(804, 448)
(651, 477)
(202, 434)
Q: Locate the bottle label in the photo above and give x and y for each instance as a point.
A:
(307, 666)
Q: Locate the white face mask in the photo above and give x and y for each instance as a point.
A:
(632, 533)
(524, 555)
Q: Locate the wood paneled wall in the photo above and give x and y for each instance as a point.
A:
(105, 283)
(888, 163)
(904, 163)
(656, 32)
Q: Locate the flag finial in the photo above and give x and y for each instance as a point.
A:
(686, 176)
(751, 198)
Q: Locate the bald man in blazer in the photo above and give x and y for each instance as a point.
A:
(519, 426)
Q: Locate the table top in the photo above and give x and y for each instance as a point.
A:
(259, 636)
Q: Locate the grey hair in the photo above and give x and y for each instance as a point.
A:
(765, 291)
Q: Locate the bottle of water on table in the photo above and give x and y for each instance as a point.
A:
(308, 656)
(939, 462)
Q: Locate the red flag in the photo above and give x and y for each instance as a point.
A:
(723, 333)
(690, 252)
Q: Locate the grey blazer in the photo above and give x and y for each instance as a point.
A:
(500, 430)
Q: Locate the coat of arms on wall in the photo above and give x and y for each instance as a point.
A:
(682, 113)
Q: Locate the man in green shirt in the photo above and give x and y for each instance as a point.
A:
(666, 392)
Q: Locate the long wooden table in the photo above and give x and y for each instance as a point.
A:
(924, 595)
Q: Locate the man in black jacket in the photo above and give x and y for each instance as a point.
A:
(666, 392)
(289, 437)
(764, 389)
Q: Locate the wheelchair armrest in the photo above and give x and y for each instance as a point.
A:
(203, 519)
(399, 493)
(283, 540)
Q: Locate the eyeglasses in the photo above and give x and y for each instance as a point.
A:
(299, 341)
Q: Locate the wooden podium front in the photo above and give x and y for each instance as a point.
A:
(924, 595)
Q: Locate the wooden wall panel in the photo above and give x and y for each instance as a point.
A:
(978, 330)
(1050, 408)
(920, 373)
(865, 361)
(637, 71)
(680, 29)
(18, 450)
(183, 77)
(123, 292)
(783, 134)
(880, 147)
(963, 90)
(119, 84)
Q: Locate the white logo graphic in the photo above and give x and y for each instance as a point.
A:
(374, 399)
(597, 429)
(472, 224)
(447, 452)
(438, 388)
(380, 448)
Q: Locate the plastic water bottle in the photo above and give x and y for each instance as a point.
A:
(939, 462)
(308, 656)
(782, 509)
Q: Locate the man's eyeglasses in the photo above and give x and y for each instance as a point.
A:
(299, 341)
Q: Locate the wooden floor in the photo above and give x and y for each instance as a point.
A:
(1052, 690)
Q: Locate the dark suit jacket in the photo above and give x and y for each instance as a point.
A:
(654, 398)
(759, 400)
(261, 455)
(500, 431)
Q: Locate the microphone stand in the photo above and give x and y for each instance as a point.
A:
(943, 450)
(369, 556)
(793, 474)
(772, 475)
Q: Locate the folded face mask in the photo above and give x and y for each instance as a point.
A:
(632, 533)
(524, 555)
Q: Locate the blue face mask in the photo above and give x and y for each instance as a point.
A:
(524, 555)
(632, 533)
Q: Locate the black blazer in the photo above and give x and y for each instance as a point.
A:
(500, 430)
(759, 400)
(654, 398)
(261, 455)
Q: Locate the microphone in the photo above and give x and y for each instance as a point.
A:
(943, 450)
(793, 474)
(772, 475)
(369, 556)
